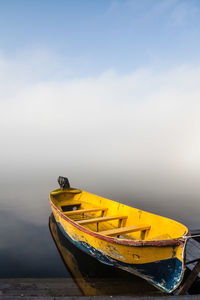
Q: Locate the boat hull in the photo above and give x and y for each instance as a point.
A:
(162, 265)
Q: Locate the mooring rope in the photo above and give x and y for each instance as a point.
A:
(190, 236)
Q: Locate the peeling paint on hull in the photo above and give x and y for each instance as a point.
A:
(165, 274)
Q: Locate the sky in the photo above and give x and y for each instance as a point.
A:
(89, 37)
(104, 92)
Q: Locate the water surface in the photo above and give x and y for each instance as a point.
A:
(27, 249)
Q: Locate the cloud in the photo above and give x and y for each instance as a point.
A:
(145, 108)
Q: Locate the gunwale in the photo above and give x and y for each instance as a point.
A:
(137, 243)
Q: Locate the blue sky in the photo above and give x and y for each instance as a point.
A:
(93, 36)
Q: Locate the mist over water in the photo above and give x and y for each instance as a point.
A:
(132, 138)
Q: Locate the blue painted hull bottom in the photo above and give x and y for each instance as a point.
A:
(165, 274)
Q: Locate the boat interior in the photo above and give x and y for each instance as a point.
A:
(110, 218)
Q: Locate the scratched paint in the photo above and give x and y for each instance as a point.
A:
(110, 250)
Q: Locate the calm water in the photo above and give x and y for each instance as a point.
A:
(27, 248)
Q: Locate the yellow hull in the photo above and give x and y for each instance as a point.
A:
(142, 243)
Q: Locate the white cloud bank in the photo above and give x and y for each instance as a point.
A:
(143, 127)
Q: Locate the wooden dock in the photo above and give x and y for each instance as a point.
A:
(192, 253)
(192, 264)
(61, 289)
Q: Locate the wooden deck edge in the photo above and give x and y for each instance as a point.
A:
(185, 297)
(63, 289)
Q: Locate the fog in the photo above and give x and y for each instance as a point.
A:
(130, 137)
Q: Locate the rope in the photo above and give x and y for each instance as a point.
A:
(190, 236)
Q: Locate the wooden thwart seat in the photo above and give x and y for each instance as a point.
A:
(118, 231)
(101, 219)
(82, 211)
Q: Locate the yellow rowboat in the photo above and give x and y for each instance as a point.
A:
(145, 244)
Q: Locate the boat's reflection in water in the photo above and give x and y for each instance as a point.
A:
(94, 278)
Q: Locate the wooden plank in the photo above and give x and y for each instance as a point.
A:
(101, 219)
(64, 289)
(156, 297)
(38, 287)
(184, 297)
(118, 231)
(194, 243)
(82, 211)
(192, 250)
(192, 253)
